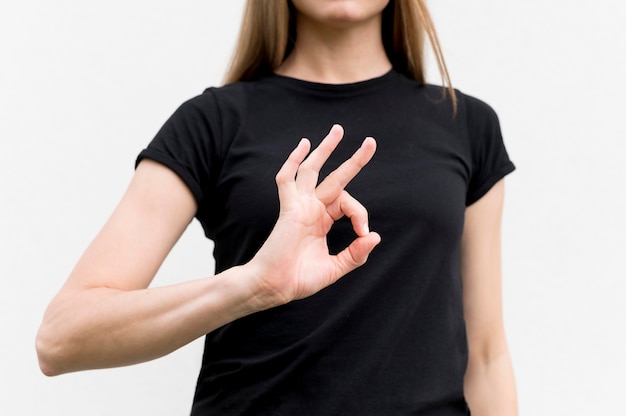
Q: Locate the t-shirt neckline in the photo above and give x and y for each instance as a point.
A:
(345, 88)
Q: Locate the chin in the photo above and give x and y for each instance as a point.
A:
(340, 11)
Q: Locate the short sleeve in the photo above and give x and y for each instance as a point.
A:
(489, 159)
(187, 143)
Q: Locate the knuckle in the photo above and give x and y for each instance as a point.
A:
(281, 178)
(355, 259)
(305, 167)
(338, 180)
(359, 261)
(358, 160)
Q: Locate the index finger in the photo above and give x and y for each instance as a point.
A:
(285, 178)
(331, 187)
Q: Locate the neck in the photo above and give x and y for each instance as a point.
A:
(337, 55)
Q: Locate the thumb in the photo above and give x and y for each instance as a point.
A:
(356, 253)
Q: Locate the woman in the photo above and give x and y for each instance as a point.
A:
(417, 329)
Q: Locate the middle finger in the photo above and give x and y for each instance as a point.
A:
(308, 172)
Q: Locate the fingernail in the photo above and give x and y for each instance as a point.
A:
(366, 228)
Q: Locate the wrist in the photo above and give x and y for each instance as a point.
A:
(244, 282)
(263, 293)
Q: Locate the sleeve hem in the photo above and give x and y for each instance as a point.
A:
(489, 182)
(176, 167)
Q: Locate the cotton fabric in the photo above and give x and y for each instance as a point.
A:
(388, 338)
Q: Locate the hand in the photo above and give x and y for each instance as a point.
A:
(294, 262)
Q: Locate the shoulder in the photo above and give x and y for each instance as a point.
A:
(230, 94)
(437, 102)
(470, 109)
(213, 98)
(220, 107)
(475, 111)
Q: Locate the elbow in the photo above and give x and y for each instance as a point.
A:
(48, 353)
(486, 352)
(47, 369)
(55, 343)
(44, 356)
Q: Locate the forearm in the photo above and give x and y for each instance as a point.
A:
(490, 386)
(102, 327)
(105, 317)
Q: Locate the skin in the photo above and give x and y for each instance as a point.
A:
(489, 382)
(338, 41)
(106, 314)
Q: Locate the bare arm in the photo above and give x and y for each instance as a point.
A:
(489, 381)
(105, 315)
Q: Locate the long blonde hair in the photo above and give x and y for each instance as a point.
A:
(268, 34)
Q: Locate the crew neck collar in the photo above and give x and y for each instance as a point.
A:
(347, 88)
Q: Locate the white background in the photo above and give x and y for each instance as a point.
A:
(84, 86)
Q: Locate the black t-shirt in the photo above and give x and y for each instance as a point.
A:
(388, 338)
